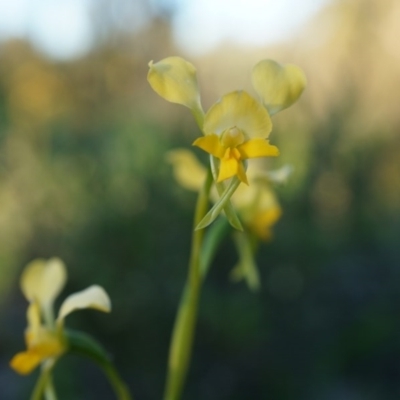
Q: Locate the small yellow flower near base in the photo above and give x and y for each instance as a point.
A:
(41, 283)
(42, 343)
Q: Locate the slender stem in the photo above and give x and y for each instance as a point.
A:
(84, 345)
(49, 391)
(120, 388)
(183, 332)
(198, 114)
(43, 381)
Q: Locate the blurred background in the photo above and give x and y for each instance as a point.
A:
(83, 177)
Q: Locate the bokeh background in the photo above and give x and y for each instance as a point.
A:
(83, 177)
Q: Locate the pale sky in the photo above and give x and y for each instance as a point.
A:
(200, 25)
(63, 29)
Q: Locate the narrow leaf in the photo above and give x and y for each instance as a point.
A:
(212, 240)
(219, 206)
(230, 212)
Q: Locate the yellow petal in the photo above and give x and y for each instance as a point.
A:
(242, 173)
(25, 362)
(33, 316)
(264, 220)
(211, 144)
(279, 86)
(238, 109)
(228, 167)
(92, 297)
(262, 211)
(45, 342)
(43, 280)
(257, 148)
(244, 196)
(188, 171)
(175, 80)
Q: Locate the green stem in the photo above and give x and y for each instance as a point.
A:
(43, 382)
(84, 345)
(120, 389)
(183, 332)
(212, 241)
(49, 391)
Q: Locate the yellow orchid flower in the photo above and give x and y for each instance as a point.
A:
(235, 130)
(237, 127)
(41, 282)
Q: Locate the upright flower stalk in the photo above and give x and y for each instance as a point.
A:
(235, 129)
(183, 332)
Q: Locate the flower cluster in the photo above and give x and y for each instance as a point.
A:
(236, 128)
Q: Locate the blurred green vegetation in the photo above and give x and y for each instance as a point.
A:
(83, 177)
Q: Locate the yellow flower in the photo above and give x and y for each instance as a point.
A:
(235, 130)
(258, 207)
(237, 127)
(41, 282)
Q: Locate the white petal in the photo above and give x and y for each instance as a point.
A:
(43, 280)
(93, 297)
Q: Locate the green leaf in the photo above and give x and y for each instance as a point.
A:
(84, 345)
(230, 212)
(220, 205)
(211, 243)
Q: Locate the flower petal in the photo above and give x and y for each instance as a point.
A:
(43, 280)
(279, 176)
(211, 144)
(33, 316)
(264, 220)
(278, 86)
(258, 205)
(174, 79)
(238, 109)
(188, 171)
(92, 297)
(228, 167)
(25, 362)
(257, 148)
(241, 173)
